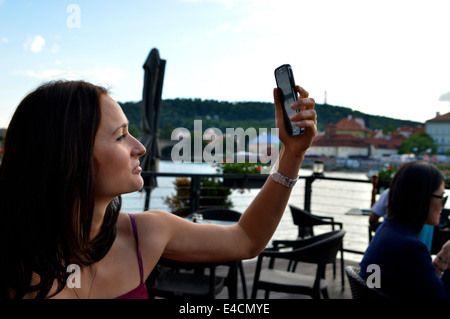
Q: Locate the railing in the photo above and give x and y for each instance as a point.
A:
(331, 195)
(195, 184)
(317, 194)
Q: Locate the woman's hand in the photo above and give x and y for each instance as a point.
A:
(442, 259)
(297, 145)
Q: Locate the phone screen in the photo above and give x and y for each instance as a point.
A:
(286, 89)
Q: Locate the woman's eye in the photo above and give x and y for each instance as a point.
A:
(121, 137)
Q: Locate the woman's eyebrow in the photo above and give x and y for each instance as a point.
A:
(124, 125)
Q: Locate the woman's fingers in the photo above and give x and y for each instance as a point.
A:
(307, 114)
(302, 91)
(303, 104)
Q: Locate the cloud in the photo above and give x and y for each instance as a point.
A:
(34, 44)
(4, 39)
(445, 97)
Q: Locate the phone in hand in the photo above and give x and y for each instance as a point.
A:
(286, 91)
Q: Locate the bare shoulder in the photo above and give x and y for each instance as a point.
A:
(147, 223)
(157, 225)
(155, 221)
(154, 231)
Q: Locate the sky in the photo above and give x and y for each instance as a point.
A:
(389, 58)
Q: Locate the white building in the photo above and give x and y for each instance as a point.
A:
(439, 129)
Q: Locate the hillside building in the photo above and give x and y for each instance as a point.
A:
(351, 138)
(332, 144)
(439, 129)
(355, 127)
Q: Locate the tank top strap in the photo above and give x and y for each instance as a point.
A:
(136, 237)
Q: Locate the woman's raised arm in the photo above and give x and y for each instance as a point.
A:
(185, 241)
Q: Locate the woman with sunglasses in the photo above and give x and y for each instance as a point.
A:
(417, 197)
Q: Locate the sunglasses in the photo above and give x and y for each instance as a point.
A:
(442, 197)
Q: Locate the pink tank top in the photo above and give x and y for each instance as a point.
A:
(140, 292)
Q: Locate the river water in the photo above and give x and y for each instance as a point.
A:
(337, 199)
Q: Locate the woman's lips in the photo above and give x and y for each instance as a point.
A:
(137, 170)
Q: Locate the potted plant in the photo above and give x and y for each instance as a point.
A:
(212, 194)
(179, 203)
(385, 176)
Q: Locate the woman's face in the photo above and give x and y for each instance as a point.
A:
(116, 154)
(436, 207)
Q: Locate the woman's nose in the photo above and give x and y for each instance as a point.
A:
(138, 149)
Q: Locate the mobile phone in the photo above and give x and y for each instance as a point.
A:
(286, 91)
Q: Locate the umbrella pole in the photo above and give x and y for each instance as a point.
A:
(147, 190)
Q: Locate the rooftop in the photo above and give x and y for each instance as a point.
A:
(339, 140)
(351, 124)
(441, 118)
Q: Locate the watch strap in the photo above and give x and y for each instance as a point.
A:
(283, 180)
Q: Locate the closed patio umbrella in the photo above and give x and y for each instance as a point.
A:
(150, 111)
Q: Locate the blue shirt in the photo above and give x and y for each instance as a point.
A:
(405, 264)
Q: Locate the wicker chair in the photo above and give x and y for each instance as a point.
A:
(359, 288)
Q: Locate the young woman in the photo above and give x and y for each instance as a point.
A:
(416, 197)
(68, 156)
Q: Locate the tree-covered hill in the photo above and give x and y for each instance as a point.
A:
(182, 113)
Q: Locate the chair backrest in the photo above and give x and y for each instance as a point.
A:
(220, 214)
(322, 250)
(358, 286)
(304, 218)
(169, 279)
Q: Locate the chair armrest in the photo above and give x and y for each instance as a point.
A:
(298, 243)
(280, 244)
(329, 220)
(325, 218)
(339, 224)
(269, 249)
(275, 254)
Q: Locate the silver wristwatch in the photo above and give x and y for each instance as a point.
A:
(283, 180)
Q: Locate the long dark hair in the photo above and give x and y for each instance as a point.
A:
(46, 189)
(410, 193)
